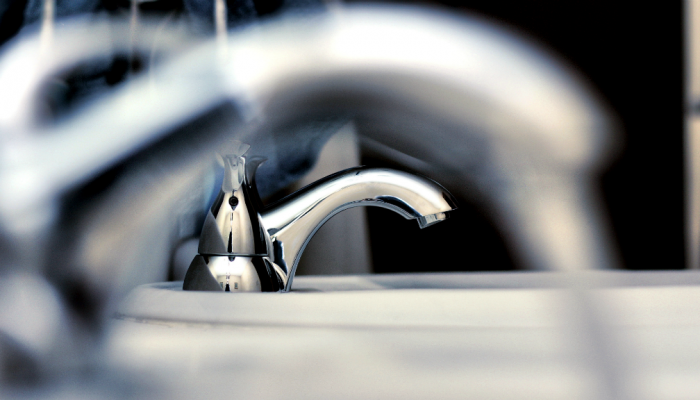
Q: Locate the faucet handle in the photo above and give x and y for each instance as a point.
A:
(233, 148)
(233, 227)
(230, 157)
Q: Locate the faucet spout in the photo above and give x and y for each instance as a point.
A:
(292, 221)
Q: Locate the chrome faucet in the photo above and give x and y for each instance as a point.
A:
(245, 248)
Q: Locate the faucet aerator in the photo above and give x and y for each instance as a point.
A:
(432, 219)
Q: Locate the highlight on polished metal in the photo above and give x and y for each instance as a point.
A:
(242, 249)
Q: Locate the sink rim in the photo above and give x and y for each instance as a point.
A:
(517, 300)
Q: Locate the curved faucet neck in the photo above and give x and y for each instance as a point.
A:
(292, 221)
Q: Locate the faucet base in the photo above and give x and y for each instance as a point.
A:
(234, 274)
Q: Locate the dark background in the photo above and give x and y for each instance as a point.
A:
(633, 55)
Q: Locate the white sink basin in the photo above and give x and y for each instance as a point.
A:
(465, 335)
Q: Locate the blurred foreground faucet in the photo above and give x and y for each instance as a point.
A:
(488, 112)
